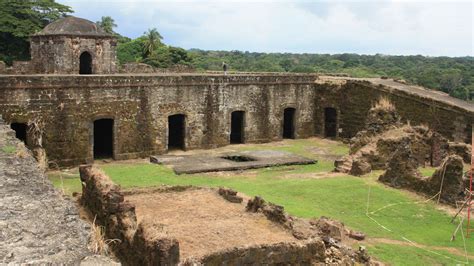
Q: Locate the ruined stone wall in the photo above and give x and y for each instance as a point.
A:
(105, 202)
(273, 254)
(353, 99)
(140, 106)
(148, 243)
(52, 54)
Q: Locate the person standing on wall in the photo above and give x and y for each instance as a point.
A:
(224, 67)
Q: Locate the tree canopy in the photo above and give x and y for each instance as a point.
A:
(21, 18)
(152, 39)
(453, 75)
(107, 23)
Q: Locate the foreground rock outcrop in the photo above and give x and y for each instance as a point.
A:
(37, 225)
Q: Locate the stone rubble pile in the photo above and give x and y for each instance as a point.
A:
(332, 233)
(400, 149)
(373, 147)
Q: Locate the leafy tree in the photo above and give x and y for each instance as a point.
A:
(450, 80)
(302, 69)
(179, 56)
(286, 64)
(452, 75)
(21, 18)
(152, 41)
(108, 24)
(167, 56)
(161, 57)
(129, 51)
(460, 92)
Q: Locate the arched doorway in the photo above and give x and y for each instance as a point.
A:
(103, 138)
(289, 123)
(330, 122)
(237, 125)
(85, 63)
(20, 130)
(176, 131)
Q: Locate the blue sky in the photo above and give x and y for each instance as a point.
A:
(435, 28)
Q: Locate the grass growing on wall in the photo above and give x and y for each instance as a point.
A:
(9, 149)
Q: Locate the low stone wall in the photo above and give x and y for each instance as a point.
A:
(277, 254)
(106, 202)
(146, 244)
(136, 68)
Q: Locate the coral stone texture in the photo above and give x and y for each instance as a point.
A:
(140, 104)
(59, 47)
(37, 226)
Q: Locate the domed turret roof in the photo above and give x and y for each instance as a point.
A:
(73, 26)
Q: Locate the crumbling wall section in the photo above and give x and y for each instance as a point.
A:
(449, 117)
(106, 203)
(447, 183)
(276, 254)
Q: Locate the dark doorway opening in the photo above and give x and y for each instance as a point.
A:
(237, 127)
(85, 63)
(103, 138)
(20, 131)
(176, 132)
(289, 123)
(330, 122)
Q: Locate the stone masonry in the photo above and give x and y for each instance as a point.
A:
(37, 226)
(140, 105)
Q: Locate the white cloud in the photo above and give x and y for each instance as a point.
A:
(390, 27)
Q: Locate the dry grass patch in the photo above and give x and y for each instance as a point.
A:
(384, 104)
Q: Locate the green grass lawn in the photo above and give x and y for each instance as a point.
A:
(427, 171)
(343, 198)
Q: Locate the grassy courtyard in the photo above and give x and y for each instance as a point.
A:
(402, 228)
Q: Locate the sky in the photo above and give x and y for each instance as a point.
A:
(433, 28)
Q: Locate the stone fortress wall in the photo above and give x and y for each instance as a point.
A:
(140, 104)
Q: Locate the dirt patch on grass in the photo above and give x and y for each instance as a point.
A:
(211, 223)
(321, 175)
(451, 250)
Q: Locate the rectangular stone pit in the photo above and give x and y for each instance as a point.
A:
(190, 226)
(208, 227)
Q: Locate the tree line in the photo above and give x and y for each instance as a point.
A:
(453, 75)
